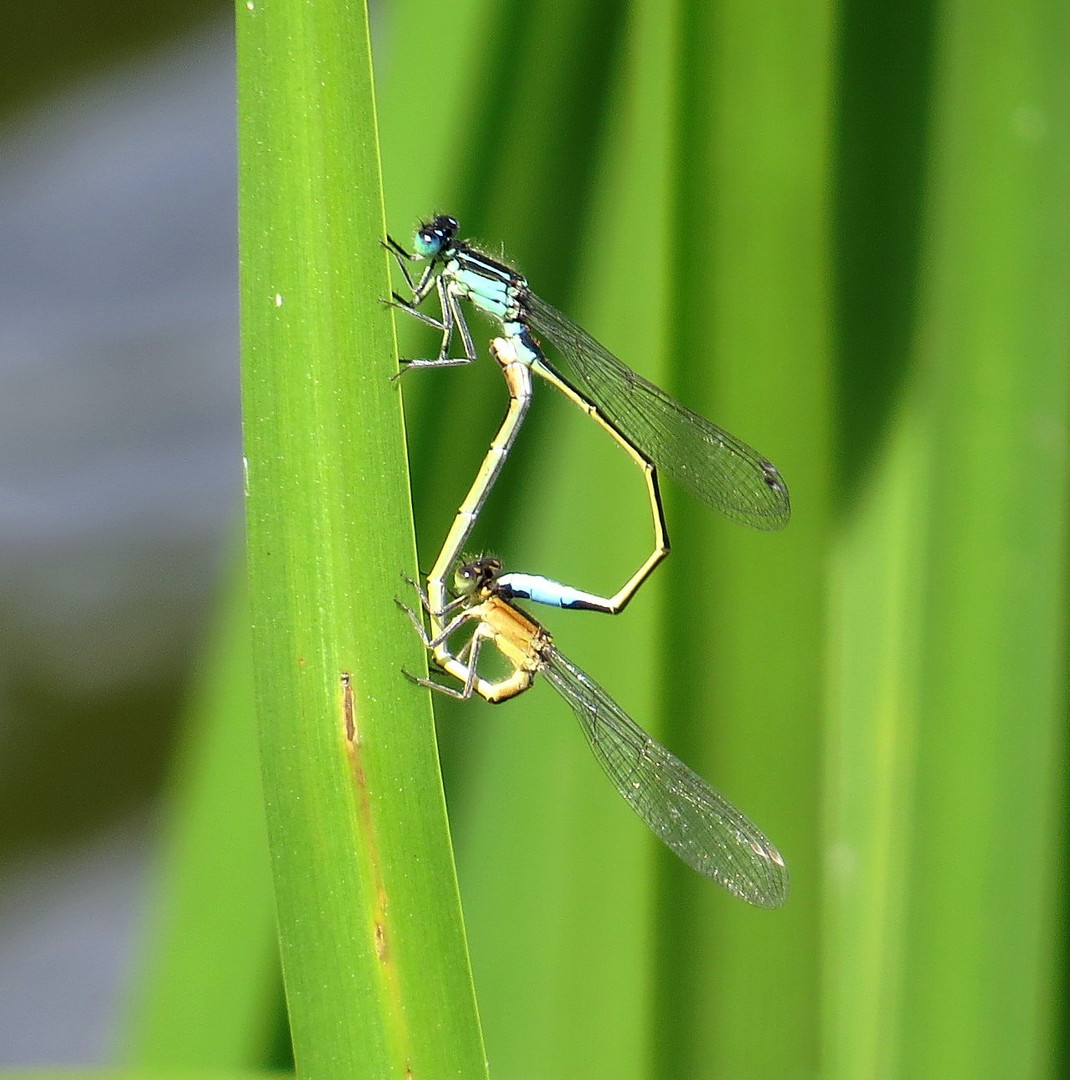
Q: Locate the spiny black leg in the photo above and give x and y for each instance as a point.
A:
(458, 319)
(402, 257)
(460, 695)
(399, 301)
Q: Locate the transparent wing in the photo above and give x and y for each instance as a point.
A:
(712, 464)
(697, 823)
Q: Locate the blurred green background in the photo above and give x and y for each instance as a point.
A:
(840, 232)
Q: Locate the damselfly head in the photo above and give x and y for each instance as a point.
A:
(434, 235)
(477, 575)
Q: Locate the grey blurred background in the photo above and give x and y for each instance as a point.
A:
(120, 463)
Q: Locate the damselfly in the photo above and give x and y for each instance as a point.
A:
(681, 809)
(530, 586)
(658, 432)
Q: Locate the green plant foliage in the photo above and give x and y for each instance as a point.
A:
(949, 599)
(859, 267)
(372, 946)
(205, 995)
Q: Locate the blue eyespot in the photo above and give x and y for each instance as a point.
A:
(427, 243)
(435, 235)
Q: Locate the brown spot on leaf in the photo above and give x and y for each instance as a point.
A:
(349, 715)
